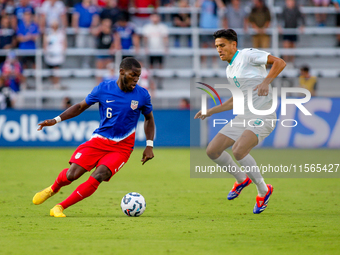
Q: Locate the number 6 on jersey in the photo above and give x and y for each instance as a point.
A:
(109, 113)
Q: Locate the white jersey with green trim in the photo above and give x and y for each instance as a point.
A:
(247, 69)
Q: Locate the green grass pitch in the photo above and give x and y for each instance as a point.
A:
(183, 215)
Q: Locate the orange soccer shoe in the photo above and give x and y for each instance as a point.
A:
(236, 190)
(262, 202)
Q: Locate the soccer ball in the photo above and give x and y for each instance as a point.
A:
(133, 204)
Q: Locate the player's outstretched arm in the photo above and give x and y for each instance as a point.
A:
(226, 106)
(149, 129)
(71, 112)
(278, 65)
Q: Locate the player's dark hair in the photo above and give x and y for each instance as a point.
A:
(228, 34)
(305, 68)
(128, 63)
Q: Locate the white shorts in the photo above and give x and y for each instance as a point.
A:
(261, 126)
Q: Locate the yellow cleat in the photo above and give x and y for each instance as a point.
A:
(43, 195)
(57, 211)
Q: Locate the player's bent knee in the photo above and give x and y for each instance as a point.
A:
(212, 153)
(102, 173)
(238, 154)
(74, 172)
(70, 175)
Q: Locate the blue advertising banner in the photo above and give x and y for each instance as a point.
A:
(321, 129)
(19, 128)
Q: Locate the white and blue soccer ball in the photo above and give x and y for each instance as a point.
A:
(133, 204)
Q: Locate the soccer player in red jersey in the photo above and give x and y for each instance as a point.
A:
(120, 104)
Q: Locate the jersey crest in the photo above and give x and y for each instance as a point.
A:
(134, 104)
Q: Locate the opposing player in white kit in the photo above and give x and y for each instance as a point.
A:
(246, 69)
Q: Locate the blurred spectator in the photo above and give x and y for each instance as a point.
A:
(111, 75)
(69, 8)
(5, 97)
(111, 11)
(55, 45)
(184, 104)
(67, 103)
(259, 19)
(209, 19)
(85, 17)
(99, 3)
(236, 17)
(291, 17)
(22, 7)
(52, 10)
(182, 20)
(123, 5)
(321, 17)
(105, 41)
(9, 7)
(37, 3)
(11, 73)
(27, 34)
(156, 39)
(146, 81)
(126, 34)
(307, 81)
(166, 3)
(2, 7)
(337, 7)
(9, 11)
(7, 36)
(141, 19)
(209, 13)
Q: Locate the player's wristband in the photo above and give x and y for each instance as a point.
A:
(57, 119)
(149, 143)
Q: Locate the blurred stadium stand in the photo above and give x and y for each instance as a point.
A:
(316, 47)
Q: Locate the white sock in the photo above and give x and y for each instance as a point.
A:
(225, 160)
(254, 174)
